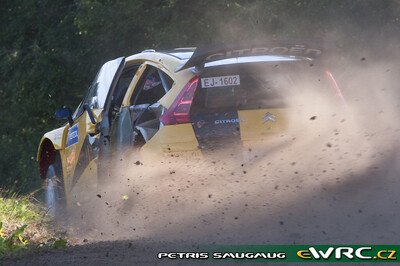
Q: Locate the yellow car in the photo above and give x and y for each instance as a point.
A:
(176, 101)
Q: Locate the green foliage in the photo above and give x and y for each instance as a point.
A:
(51, 50)
(14, 241)
(19, 210)
(16, 211)
(59, 244)
(21, 218)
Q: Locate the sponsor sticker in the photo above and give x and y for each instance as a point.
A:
(72, 137)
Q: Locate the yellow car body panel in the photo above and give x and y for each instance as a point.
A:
(173, 139)
(72, 153)
(259, 124)
(87, 182)
(180, 80)
(55, 136)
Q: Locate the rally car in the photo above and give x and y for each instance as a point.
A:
(176, 101)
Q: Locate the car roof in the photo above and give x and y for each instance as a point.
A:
(170, 59)
(173, 58)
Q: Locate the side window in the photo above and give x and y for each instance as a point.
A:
(144, 113)
(153, 85)
(122, 86)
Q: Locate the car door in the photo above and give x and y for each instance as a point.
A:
(140, 117)
(82, 137)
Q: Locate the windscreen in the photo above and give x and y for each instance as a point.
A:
(251, 91)
(232, 103)
(256, 87)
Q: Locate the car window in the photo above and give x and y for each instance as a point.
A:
(152, 87)
(258, 86)
(92, 97)
(98, 90)
(123, 84)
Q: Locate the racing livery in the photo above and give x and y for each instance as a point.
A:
(177, 101)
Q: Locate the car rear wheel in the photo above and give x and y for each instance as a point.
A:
(54, 189)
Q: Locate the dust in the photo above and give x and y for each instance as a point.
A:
(330, 177)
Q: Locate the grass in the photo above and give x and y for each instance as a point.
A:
(18, 210)
(24, 223)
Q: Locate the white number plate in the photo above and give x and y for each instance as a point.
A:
(222, 81)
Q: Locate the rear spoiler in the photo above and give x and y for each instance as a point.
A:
(203, 55)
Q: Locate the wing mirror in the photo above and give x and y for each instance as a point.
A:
(64, 113)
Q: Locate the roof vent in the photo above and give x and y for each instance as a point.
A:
(148, 51)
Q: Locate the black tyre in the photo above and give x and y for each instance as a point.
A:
(54, 188)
